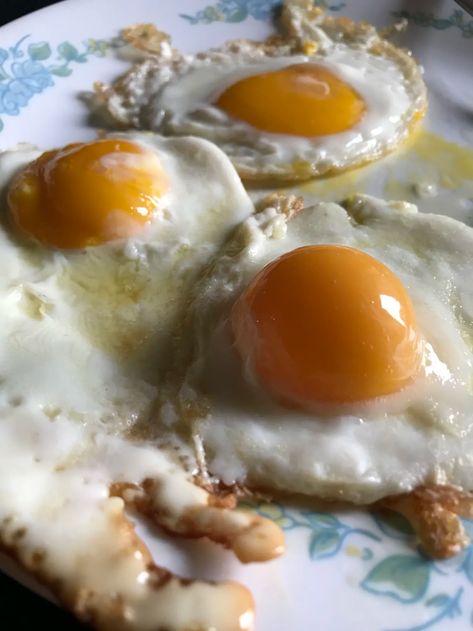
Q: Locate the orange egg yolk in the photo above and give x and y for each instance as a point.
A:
(325, 324)
(87, 194)
(302, 100)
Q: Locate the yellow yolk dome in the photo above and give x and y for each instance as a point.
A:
(301, 100)
(328, 323)
(87, 194)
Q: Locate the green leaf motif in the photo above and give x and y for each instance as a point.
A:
(442, 24)
(60, 71)
(324, 543)
(325, 4)
(441, 600)
(68, 51)
(212, 14)
(321, 520)
(393, 524)
(238, 15)
(402, 577)
(39, 51)
(97, 47)
(456, 20)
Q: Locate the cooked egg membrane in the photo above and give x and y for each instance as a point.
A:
(361, 451)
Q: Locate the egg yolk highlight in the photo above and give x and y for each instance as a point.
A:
(325, 324)
(301, 100)
(87, 194)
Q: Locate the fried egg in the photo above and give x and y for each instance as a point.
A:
(100, 243)
(324, 96)
(99, 247)
(333, 352)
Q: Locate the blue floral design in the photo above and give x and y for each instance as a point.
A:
(24, 73)
(447, 607)
(239, 10)
(458, 19)
(405, 577)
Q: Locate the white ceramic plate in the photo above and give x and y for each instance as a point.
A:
(343, 569)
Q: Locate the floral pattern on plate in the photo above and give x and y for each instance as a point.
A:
(457, 19)
(239, 10)
(396, 569)
(27, 68)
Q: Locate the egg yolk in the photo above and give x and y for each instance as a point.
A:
(87, 194)
(327, 324)
(302, 100)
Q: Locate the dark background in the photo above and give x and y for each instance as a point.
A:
(20, 609)
(12, 9)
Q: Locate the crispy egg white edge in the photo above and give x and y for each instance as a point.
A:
(130, 102)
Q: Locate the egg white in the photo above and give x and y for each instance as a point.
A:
(358, 452)
(174, 94)
(84, 337)
(86, 333)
